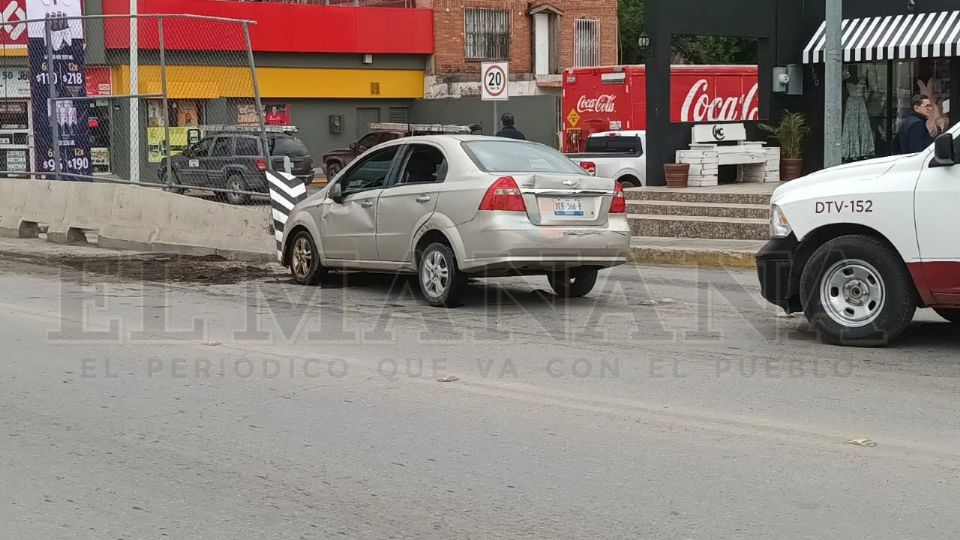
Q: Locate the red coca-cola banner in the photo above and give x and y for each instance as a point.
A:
(717, 100)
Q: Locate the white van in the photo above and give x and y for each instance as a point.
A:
(858, 248)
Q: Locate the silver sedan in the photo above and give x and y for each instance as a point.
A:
(449, 207)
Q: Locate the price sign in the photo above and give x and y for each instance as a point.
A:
(495, 81)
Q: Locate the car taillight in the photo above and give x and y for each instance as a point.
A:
(261, 164)
(503, 196)
(619, 204)
(589, 166)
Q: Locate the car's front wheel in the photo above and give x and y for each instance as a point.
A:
(573, 283)
(305, 260)
(950, 314)
(441, 281)
(857, 291)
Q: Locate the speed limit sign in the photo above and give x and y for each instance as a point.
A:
(496, 81)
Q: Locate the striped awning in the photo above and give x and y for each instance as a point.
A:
(899, 37)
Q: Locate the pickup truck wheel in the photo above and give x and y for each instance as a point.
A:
(857, 292)
(573, 283)
(236, 184)
(441, 281)
(305, 260)
(950, 314)
(629, 182)
(173, 187)
(333, 169)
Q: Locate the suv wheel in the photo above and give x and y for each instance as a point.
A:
(333, 169)
(441, 281)
(236, 184)
(950, 314)
(858, 292)
(573, 283)
(305, 260)
(173, 187)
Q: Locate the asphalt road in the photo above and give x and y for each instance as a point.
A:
(672, 403)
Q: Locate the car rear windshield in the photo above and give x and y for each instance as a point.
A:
(614, 145)
(519, 157)
(287, 146)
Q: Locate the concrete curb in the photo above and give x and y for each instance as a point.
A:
(692, 257)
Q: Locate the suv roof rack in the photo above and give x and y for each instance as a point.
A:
(246, 128)
(424, 129)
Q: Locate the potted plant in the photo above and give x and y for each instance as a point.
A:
(790, 132)
(678, 174)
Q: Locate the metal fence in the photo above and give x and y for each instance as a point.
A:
(167, 101)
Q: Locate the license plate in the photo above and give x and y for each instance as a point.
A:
(568, 207)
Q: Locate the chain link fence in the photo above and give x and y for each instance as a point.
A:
(170, 102)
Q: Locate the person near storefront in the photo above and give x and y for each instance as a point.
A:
(914, 136)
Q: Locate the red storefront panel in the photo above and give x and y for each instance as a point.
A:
(280, 27)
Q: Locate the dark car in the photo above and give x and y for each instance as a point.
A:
(235, 162)
(335, 160)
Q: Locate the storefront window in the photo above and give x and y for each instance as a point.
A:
(877, 99)
(185, 116)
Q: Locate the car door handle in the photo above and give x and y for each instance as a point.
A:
(423, 199)
(366, 204)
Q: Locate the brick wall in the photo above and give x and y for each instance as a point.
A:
(449, 57)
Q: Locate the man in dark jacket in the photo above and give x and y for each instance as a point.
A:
(509, 131)
(914, 136)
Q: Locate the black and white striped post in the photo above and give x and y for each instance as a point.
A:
(285, 192)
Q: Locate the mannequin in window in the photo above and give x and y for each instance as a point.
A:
(858, 140)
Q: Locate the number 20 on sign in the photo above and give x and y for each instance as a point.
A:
(495, 81)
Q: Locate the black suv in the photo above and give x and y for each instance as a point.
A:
(234, 161)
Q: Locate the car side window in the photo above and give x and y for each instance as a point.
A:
(203, 148)
(424, 165)
(371, 173)
(248, 146)
(368, 142)
(221, 148)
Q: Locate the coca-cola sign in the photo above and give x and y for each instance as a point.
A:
(606, 103)
(699, 106)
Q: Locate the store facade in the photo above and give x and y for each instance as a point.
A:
(893, 50)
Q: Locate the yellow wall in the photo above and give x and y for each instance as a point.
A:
(214, 82)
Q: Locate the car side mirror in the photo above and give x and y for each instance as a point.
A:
(336, 193)
(354, 146)
(944, 151)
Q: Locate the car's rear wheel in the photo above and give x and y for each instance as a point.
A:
(236, 184)
(950, 314)
(573, 283)
(332, 170)
(305, 260)
(858, 292)
(629, 182)
(441, 281)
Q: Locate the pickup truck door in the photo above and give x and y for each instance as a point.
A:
(938, 233)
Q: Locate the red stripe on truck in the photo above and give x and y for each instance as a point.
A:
(937, 282)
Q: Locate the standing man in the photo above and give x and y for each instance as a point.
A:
(914, 136)
(509, 131)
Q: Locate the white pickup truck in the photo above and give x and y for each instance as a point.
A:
(858, 248)
(616, 154)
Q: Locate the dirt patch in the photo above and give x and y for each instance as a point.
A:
(161, 268)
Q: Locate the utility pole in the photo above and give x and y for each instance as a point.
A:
(833, 85)
(134, 97)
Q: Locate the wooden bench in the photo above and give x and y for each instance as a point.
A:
(726, 144)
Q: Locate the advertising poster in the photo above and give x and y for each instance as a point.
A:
(180, 139)
(273, 115)
(70, 81)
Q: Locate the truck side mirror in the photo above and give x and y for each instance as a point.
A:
(336, 193)
(944, 152)
(354, 146)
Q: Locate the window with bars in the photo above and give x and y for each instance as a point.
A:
(587, 42)
(487, 33)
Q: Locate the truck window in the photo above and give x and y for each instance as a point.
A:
(614, 145)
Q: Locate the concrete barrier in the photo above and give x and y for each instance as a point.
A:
(131, 217)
